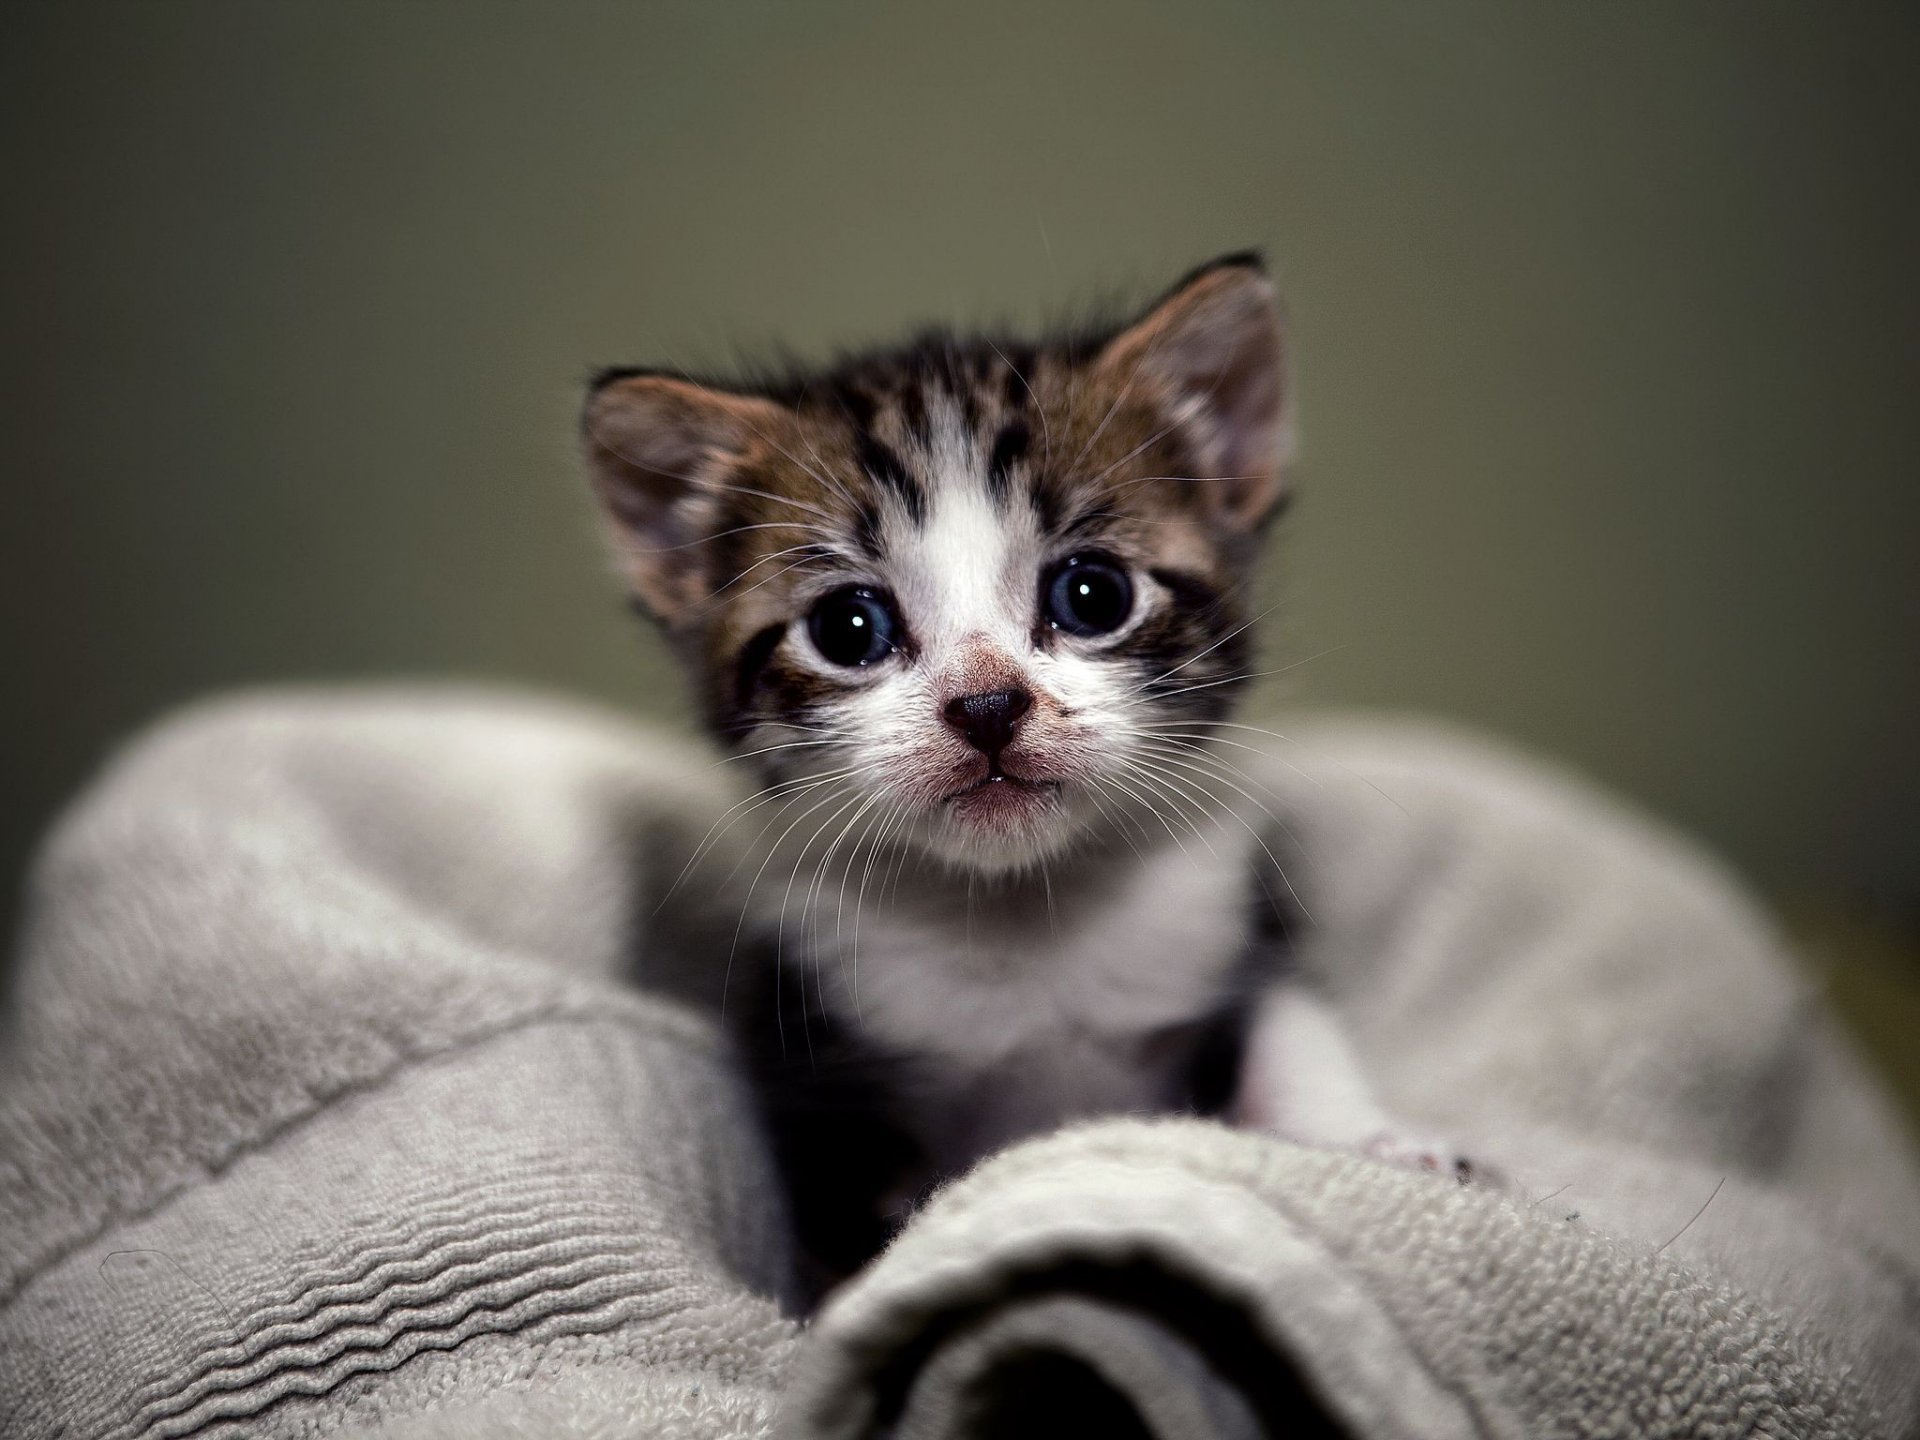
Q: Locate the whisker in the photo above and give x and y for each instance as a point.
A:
(709, 482)
(801, 525)
(810, 920)
(1046, 433)
(779, 934)
(1183, 480)
(714, 598)
(1199, 655)
(1246, 675)
(746, 904)
(826, 860)
(831, 481)
(1168, 784)
(1151, 440)
(1259, 839)
(1198, 742)
(1116, 815)
(1147, 804)
(1276, 735)
(786, 745)
(1114, 409)
(820, 866)
(894, 817)
(738, 810)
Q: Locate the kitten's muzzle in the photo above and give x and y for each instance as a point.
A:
(989, 721)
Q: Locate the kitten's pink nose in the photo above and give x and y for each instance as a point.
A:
(988, 721)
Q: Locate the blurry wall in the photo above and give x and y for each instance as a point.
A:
(1606, 319)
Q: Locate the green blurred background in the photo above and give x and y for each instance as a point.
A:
(1606, 318)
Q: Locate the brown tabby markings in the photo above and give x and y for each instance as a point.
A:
(1098, 469)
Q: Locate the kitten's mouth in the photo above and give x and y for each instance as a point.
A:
(1015, 782)
(1000, 797)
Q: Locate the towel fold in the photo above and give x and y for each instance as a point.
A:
(1185, 1281)
(354, 1082)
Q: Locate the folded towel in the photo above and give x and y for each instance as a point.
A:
(333, 1102)
(1184, 1282)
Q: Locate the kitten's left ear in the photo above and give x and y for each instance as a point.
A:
(1213, 354)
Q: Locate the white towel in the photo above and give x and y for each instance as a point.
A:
(329, 1106)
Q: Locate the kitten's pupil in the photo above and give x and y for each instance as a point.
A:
(854, 626)
(1089, 595)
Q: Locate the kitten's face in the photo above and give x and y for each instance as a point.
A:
(976, 598)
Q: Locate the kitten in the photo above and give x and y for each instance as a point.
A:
(973, 611)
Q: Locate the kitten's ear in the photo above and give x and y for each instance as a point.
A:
(1213, 354)
(660, 451)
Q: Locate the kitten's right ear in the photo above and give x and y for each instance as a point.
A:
(660, 450)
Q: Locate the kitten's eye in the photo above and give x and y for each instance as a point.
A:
(855, 626)
(1089, 595)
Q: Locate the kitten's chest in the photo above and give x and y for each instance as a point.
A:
(949, 1032)
(1062, 1001)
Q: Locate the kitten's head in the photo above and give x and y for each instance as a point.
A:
(978, 596)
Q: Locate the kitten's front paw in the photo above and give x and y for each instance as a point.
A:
(1423, 1152)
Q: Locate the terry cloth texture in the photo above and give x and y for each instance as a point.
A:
(333, 1103)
